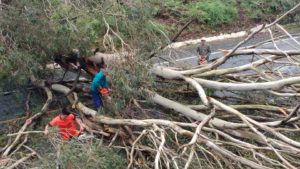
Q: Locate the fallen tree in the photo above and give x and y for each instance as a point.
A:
(253, 126)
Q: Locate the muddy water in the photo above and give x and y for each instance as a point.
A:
(13, 98)
(11, 105)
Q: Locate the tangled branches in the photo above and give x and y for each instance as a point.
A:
(253, 126)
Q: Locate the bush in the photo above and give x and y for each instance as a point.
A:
(31, 37)
(261, 9)
(129, 79)
(213, 13)
(174, 7)
(78, 155)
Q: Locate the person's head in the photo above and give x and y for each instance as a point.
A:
(65, 112)
(102, 66)
(203, 41)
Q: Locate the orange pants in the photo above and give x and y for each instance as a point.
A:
(202, 60)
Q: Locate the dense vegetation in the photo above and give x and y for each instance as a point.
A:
(217, 12)
(36, 33)
(219, 15)
(33, 32)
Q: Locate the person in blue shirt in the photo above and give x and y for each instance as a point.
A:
(99, 87)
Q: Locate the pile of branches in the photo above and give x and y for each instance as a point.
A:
(214, 133)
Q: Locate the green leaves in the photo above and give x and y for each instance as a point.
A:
(37, 30)
(128, 81)
(213, 13)
(261, 9)
(75, 154)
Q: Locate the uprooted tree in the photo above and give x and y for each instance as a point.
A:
(195, 127)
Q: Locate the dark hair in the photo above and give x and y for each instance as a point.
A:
(65, 111)
(96, 50)
(102, 64)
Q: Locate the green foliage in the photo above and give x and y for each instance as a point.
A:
(261, 9)
(75, 154)
(128, 80)
(213, 13)
(209, 12)
(218, 12)
(33, 31)
(175, 7)
(3, 139)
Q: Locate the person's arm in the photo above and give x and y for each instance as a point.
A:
(208, 51)
(105, 82)
(74, 66)
(81, 125)
(95, 66)
(198, 50)
(46, 132)
(53, 122)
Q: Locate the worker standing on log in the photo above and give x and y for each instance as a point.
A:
(99, 87)
(204, 51)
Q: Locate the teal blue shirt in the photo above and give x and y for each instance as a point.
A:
(99, 81)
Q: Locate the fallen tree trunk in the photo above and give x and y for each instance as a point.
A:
(248, 86)
(238, 69)
(108, 58)
(232, 138)
(174, 125)
(245, 107)
(264, 52)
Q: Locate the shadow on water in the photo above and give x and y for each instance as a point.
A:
(12, 101)
(11, 105)
(13, 96)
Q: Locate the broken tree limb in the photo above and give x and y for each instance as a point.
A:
(107, 58)
(20, 145)
(252, 65)
(295, 111)
(161, 146)
(26, 132)
(199, 128)
(75, 82)
(79, 105)
(181, 30)
(264, 52)
(274, 85)
(132, 148)
(166, 73)
(245, 107)
(181, 131)
(192, 113)
(34, 117)
(260, 125)
(21, 160)
(199, 89)
(284, 15)
(149, 122)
